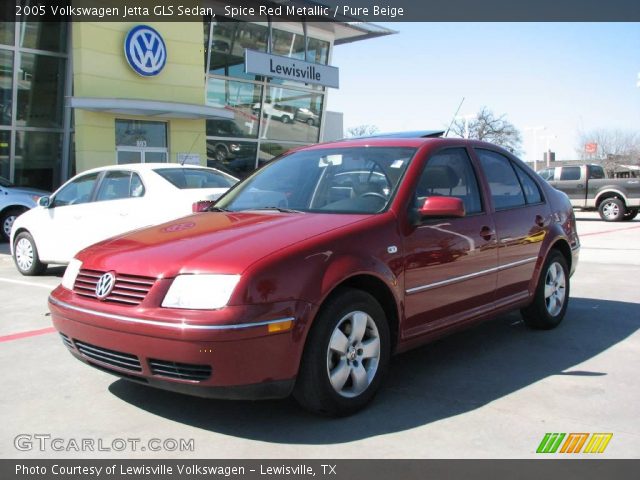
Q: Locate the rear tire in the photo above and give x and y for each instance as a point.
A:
(612, 209)
(346, 355)
(25, 255)
(285, 119)
(552, 294)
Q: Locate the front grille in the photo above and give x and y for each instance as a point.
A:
(67, 341)
(128, 289)
(126, 361)
(181, 371)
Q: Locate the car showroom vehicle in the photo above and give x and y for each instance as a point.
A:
(284, 113)
(615, 199)
(107, 201)
(14, 201)
(307, 276)
(307, 116)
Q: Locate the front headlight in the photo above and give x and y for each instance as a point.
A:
(200, 292)
(71, 273)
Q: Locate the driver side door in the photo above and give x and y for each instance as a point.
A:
(450, 263)
(63, 225)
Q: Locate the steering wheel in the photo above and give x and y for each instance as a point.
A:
(374, 194)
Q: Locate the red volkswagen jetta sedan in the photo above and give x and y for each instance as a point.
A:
(307, 276)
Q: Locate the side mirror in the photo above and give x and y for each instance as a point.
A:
(44, 201)
(441, 207)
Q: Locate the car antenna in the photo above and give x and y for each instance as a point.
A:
(184, 158)
(454, 117)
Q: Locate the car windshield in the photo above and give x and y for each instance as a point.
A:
(336, 180)
(5, 183)
(185, 178)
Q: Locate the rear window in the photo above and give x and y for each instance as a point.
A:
(570, 173)
(187, 178)
(596, 172)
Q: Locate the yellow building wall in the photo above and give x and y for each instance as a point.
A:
(100, 69)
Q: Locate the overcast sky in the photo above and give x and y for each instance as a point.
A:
(568, 77)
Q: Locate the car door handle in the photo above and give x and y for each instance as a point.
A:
(124, 214)
(486, 233)
(579, 186)
(539, 221)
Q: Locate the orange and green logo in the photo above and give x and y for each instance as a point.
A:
(574, 442)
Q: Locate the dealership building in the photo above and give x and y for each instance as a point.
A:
(224, 93)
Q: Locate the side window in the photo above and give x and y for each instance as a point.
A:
(450, 173)
(547, 173)
(570, 173)
(531, 190)
(596, 172)
(76, 192)
(114, 186)
(136, 189)
(503, 182)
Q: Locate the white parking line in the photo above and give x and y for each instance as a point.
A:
(29, 284)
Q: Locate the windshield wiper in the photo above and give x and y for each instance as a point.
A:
(213, 208)
(279, 209)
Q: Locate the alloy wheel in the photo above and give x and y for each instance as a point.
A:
(7, 224)
(555, 289)
(353, 354)
(24, 254)
(610, 210)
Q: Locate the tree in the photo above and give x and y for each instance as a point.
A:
(489, 127)
(361, 131)
(613, 147)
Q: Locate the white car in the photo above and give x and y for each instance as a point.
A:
(284, 113)
(107, 201)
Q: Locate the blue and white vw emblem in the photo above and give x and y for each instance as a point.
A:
(145, 50)
(105, 285)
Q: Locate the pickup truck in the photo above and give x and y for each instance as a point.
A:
(616, 199)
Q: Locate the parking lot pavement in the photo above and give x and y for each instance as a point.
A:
(492, 391)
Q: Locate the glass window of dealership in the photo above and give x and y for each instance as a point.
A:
(265, 116)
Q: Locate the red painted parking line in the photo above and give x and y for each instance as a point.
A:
(609, 231)
(29, 333)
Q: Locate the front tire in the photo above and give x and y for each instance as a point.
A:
(612, 209)
(552, 294)
(25, 255)
(6, 222)
(285, 119)
(346, 355)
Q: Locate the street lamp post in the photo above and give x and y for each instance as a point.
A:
(548, 150)
(535, 131)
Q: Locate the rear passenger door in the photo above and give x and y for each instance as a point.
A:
(522, 219)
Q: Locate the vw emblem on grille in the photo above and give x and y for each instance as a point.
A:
(145, 50)
(105, 284)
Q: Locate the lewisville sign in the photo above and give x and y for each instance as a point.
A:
(269, 65)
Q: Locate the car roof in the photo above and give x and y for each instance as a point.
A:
(143, 167)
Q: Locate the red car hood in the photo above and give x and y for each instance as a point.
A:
(220, 242)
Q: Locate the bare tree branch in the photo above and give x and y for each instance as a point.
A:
(491, 128)
(613, 147)
(361, 131)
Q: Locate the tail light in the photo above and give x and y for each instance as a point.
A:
(201, 205)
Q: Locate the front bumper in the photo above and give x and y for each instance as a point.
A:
(244, 360)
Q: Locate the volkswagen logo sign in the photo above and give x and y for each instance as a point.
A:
(145, 50)
(105, 285)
